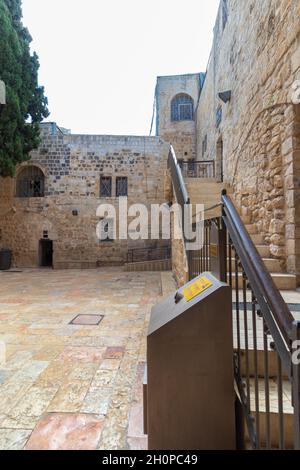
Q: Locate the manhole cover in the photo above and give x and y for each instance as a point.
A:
(87, 320)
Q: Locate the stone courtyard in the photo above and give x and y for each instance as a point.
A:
(75, 386)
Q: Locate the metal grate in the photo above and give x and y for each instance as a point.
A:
(92, 320)
(105, 186)
(182, 108)
(31, 182)
(121, 186)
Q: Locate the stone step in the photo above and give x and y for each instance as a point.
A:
(246, 219)
(282, 281)
(273, 265)
(251, 229)
(263, 250)
(257, 239)
(261, 371)
(158, 265)
(288, 412)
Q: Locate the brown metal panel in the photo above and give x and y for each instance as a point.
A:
(190, 391)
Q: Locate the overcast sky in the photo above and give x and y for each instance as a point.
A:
(100, 58)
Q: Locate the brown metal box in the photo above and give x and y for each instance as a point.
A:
(190, 384)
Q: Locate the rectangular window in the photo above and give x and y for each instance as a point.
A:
(105, 186)
(185, 112)
(219, 116)
(121, 186)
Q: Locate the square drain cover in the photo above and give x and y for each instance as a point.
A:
(87, 320)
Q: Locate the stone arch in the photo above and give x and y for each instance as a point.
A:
(30, 181)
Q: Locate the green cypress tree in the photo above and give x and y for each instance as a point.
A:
(26, 104)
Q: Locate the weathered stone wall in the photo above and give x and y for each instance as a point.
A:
(256, 55)
(72, 165)
(181, 134)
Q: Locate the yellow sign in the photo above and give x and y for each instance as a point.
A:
(196, 288)
(213, 250)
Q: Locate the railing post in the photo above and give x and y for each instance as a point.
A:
(296, 382)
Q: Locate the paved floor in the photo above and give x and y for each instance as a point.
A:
(65, 386)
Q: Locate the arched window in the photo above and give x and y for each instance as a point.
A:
(30, 182)
(182, 108)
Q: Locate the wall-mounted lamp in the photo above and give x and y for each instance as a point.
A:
(225, 96)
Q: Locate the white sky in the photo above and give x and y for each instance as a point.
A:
(100, 58)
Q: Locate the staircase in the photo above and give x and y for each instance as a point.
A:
(208, 191)
(205, 191)
(153, 266)
(282, 280)
(265, 332)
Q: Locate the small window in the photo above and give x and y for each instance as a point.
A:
(182, 108)
(219, 116)
(204, 146)
(105, 186)
(224, 13)
(30, 182)
(121, 186)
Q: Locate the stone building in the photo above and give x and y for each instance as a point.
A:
(177, 98)
(254, 136)
(51, 205)
(239, 115)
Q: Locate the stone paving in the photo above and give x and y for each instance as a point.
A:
(75, 386)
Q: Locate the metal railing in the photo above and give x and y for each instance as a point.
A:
(179, 186)
(148, 254)
(264, 331)
(197, 169)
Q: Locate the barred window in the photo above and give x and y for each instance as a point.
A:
(182, 108)
(105, 186)
(30, 182)
(121, 186)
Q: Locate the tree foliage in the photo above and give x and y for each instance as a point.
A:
(26, 104)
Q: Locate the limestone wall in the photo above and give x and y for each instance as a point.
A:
(256, 55)
(72, 165)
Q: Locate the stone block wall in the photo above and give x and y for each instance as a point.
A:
(256, 55)
(72, 165)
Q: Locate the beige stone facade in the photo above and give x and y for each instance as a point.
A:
(72, 166)
(256, 56)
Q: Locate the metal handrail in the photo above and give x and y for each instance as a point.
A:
(261, 281)
(197, 168)
(177, 179)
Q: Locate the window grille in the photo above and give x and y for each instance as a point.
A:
(105, 186)
(182, 108)
(121, 186)
(219, 116)
(31, 182)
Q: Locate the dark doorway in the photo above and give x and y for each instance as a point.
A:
(46, 253)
